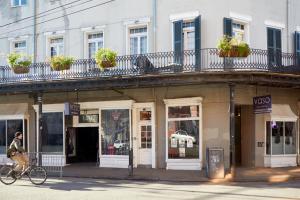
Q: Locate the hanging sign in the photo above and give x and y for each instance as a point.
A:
(262, 104)
(72, 108)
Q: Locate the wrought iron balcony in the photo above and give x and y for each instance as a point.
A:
(162, 63)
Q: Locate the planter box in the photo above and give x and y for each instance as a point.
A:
(233, 53)
(60, 67)
(20, 69)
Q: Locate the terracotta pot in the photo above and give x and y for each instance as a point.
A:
(106, 64)
(60, 67)
(233, 52)
(20, 69)
(223, 53)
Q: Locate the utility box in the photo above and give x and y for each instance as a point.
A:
(215, 163)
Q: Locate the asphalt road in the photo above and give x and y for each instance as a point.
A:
(92, 189)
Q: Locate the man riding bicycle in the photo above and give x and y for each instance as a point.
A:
(17, 153)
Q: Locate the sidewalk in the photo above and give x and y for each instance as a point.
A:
(241, 174)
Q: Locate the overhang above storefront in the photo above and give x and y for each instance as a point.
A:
(281, 112)
(19, 109)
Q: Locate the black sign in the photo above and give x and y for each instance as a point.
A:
(262, 104)
(72, 109)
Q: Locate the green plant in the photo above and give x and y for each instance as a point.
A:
(232, 47)
(59, 63)
(19, 62)
(106, 58)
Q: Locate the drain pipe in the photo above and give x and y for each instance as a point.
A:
(287, 25)
(34, 31)
(154, 10)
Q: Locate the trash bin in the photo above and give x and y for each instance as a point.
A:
(215, 163)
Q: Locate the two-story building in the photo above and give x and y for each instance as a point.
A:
(170, 96)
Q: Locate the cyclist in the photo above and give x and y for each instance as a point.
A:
(17, 153)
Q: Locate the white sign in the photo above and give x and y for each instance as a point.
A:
(189, 143)
(173, 143)
(181, 143)
(182, 152)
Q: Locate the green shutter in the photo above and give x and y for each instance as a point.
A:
(178, 42)
(227, 27)
(297, 48)
(197, 23)
(274, 47)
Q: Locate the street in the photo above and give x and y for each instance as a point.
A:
(90, 189)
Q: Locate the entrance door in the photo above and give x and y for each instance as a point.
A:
(145, 140)
(144, 135)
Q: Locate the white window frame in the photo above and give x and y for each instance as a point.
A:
(139, 36)
(14, 49)
(18, 39)
(244, 20)
(136, 23)
(19, 4)
(91, 30)
(245, 31)
(54, 35)
(185, 33)
(194, 101)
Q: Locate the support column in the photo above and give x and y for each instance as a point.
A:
(40, 124)
(232, 127)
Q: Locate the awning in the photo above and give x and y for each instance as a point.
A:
(281, 112)
(14, 109)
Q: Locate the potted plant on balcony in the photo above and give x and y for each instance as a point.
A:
(59, 63)
(106, 58)
(232, 47)
(19, 63)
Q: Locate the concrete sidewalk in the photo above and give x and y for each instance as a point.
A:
(241, 174)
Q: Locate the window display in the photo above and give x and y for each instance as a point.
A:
(280, 138)
(52, 133)
(183, 134)
(115, 134)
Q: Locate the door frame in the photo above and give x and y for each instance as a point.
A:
(135, 128)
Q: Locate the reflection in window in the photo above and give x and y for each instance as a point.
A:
(183, 139)
(115, 135)
(2, 137)
(283, 140)
(52, 133)
(183, 111)
(146, 137)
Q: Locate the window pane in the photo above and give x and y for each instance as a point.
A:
(183, 139)
(290, 138)
(268, 146)
(133, 46)
(12, 127)
(16, 2)
(190, 41)
(53, 51)
(2, 137)
(143, 49)
(52, 133)
(115, 132)
(277, 138)
(23, 2)
(92, 49)
(183, 111)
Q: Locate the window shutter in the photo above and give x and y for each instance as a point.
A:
(227, 27)
(178, 42)
(274, 46)
(197, 23)
(297, 48)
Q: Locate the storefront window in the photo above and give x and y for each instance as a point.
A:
(8, 128)
(283, 140)
(2, 137)
(183, 134)
(115, 136)
(52, 132)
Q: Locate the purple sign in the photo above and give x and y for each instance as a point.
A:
(262, 104)
(72, 109)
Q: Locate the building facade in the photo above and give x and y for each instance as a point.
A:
(183, 99)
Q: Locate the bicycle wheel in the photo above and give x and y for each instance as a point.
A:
(7, 175)
(37, 175)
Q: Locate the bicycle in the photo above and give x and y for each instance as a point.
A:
(36, 174)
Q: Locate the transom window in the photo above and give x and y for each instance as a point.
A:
(56, 46)
(138, 40)
(95, 42)
(238, 31)
(19, 47)
(19, 3)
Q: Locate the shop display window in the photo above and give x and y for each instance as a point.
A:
(115, 134)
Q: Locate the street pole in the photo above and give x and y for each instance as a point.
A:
(232, 128)
(40, 124)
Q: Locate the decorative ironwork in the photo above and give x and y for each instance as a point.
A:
(157, 64)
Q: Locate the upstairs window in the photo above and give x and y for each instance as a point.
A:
(95, 42)
(16, 3)
(56, 46)
(238, 31)
(138, 40)
(19, 47)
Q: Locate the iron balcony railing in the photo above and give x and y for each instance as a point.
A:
(205, 60)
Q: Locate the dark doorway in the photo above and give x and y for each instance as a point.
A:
(87, 144)
(238, 149)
